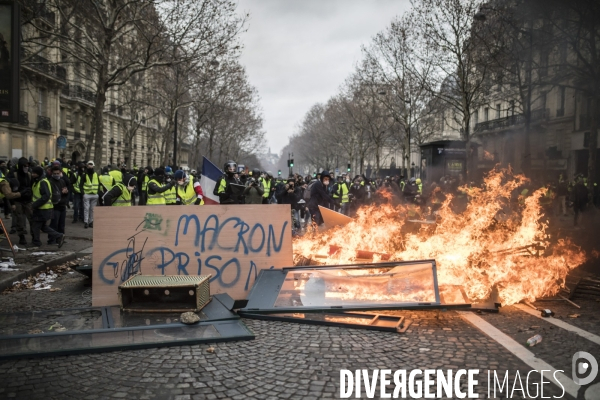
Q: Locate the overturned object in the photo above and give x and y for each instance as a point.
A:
(358, 287)
(167, 293)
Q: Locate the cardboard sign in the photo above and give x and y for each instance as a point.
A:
(230, 242)
(332, 218)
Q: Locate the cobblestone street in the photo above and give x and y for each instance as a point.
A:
(286, 360)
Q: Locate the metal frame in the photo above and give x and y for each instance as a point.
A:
(228, 331)
(266, 289)
(400, 326)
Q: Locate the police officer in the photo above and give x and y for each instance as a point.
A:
(223, 187)
(156, 188)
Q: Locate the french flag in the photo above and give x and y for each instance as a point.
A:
(210, 176)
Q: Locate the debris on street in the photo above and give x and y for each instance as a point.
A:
(7, 265)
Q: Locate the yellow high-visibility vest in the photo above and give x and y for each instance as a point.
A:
(156, 199)
(1, 194)
(188, 194)
(107, 182)
(171, 195)
(91, 187)
(37, 195)
(267, 186)
(117, 175)
(145, 183)
(124, 199)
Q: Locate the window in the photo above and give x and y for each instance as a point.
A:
(486, 114)
(511, 109)
(42, 100)
(560, 101)
(497, 111)
(476, 116)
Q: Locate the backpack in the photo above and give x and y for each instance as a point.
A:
(56, 194)
(306, 194)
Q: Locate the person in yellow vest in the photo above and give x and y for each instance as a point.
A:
(156, 188)
(143, 178)
(116, 174)
(341, 192)
(171, 194)
(120, 194)
(268, 186)
(106, 183)
(419, 186)
(89, 185)
(189, 191)
(42, 209)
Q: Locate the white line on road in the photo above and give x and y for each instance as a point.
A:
(585, 334)
(518, 350)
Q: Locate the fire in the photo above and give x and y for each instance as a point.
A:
(488, 156)
(492, 243)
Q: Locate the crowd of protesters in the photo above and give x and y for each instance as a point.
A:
(42, 192)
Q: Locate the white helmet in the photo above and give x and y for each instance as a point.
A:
(193, 172)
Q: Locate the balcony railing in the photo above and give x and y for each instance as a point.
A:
(78, 92)
(77, 135)
(24, 118)
(43, 65)
(502, 123)
(44, 123)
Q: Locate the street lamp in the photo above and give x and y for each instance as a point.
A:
(111, 143)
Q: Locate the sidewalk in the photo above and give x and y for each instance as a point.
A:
(31, 260)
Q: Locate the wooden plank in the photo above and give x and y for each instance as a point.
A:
(230, 242)
(332, 218)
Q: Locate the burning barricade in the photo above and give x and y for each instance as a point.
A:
(494, 244)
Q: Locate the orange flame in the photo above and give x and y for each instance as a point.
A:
(488, 156)
(493, 243)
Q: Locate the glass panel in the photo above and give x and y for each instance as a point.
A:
(112, 339)
(36, 322)
(125, 319)
(357, 286)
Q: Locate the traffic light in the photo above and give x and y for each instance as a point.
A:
(348, 167)
(292, 162)
(279, 172)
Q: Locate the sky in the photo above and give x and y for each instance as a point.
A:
(299, 52)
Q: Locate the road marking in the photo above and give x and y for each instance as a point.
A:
(585, 334)
(521, 352)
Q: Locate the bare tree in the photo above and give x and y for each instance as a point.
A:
(460, 67)
(117, 39)
(404, 78)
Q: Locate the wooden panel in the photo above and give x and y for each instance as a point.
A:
(232, 243)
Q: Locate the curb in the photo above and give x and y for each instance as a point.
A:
(7, 283)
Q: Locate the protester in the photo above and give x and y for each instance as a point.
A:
(42, 209)
(120, 194)
(89, 185)
(22, 205)
(188, 191)
(78, 214)
(60, 188)
(156, 188)
(320, 197)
